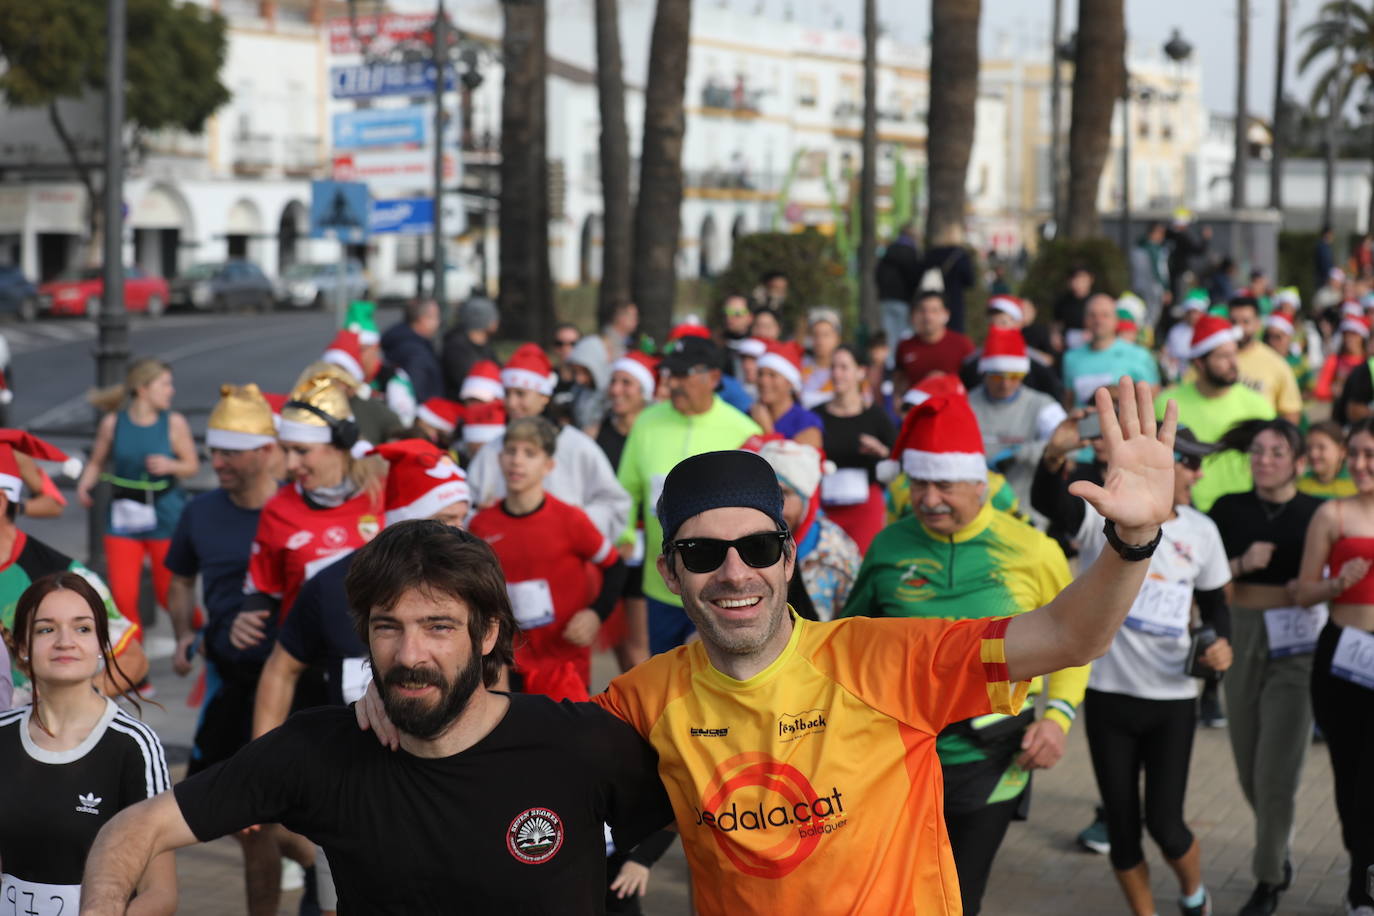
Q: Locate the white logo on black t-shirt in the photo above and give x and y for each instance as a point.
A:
(90, 803)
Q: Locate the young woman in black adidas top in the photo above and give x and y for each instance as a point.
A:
(72, 760)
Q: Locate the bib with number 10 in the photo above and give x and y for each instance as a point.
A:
(1353, 660)
(1162, 608)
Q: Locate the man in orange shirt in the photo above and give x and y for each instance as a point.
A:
(800, 756)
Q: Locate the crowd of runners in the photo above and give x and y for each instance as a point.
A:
(859, 589)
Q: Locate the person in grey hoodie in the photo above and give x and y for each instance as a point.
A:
(591, 367)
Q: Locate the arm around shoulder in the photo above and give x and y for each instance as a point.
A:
(125, 849)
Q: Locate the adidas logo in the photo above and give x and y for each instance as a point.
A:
(90, 803)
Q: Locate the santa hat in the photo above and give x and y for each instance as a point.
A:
(1133, 306)
(241, 420)
(299, 424)
(441, 413)
(784, 359)
(346, 352)
(484, 422)
(1008, 305)
(529, 368)
(940, 441)
(1209, 333)
(1288, 296)
(932, 385)
(1004, 351)
(1282, 321)
(641, 367)
(1127, 328)
(422, 480)
(361, 319)
(483, 383)
(750, 346)
(689, 328)
(797, 465)
(1196, 300)
(16, 440)
(1355, 326)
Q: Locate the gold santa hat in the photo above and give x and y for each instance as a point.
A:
(299, 423)
(241, 420)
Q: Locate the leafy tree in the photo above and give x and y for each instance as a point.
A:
(1342, 39)
(55, 50)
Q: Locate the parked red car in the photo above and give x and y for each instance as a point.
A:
(80, 292)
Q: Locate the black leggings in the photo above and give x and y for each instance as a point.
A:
(1345, 714)
(974, 837)
(1125, 735)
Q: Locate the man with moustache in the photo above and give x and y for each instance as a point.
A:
(495, 802)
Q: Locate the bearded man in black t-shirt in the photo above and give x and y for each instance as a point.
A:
(494, 803)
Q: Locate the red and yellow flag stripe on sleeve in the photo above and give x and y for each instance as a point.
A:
(1006, 697)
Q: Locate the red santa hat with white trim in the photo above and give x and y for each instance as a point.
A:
(785, 359)
(1283, 321)
(529, 368)
(1004, 351)
(692, 327)
(483, 382)
(932, 385)
(750, 346)
(940, 440)
(484, 422)
(1355, 325)
(1008, 305)
(641, 367)
(346, 352)
(16, 440)
(422, 480)
(1209, 333)
(441, 413)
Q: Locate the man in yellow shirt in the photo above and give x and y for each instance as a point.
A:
(1262, 370)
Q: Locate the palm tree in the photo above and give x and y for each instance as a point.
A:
(1098, 76)
(1341, 27)
(868, 185)
(526, 281)
(1242, 116)
(950, 121)
(653, 278)
(1280, 110)
(615, 163)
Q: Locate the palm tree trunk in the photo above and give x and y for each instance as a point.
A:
(1242, 115)
(1099, 70)
(526, 285)
(868, 185)
(1280, 120)
(953, 105)
(615, 164)
(658, 219)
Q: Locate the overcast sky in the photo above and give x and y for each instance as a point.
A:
(1210, 25)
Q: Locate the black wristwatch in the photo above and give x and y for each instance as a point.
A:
(1130, 552)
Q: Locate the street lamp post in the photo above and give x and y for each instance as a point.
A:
(1177, 49)
(440, 78)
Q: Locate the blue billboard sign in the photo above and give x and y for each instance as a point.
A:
(372, 127)
(369, 80)
(404, 216)
(339, 210)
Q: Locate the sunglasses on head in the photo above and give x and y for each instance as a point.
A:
(1191, 462)
(703, 555)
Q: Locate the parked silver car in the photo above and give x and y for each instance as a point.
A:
(314, 285)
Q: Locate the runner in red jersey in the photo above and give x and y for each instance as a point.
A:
(544, 546)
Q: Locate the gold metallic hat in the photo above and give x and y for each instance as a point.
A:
(332, 371)
(241, 420)
(320, 392)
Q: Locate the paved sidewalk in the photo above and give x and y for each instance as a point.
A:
(1039, 871)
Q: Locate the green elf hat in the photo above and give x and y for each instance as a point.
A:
(1132, 306)
(361, 320)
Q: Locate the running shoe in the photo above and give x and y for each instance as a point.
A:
(1264, 901)
(1202, 909)
(1352, 910)
(1094, 837)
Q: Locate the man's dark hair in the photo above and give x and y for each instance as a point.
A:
(770, 275)
(439, 561)
(537, 431)
(415, 309)
(923, 295)
(1080, 269)
(1243, 302)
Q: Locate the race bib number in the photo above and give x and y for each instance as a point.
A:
(1293, 630)
(27, 898)
(845, 487)
(354, 677)
(1162, 608)
(1085, 386)
(532, 603)
(1354, 657)
(132, 516)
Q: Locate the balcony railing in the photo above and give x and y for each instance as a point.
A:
(302, 155)
(252, 153)
(738, 99)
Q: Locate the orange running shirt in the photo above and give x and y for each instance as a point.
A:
(814, 787)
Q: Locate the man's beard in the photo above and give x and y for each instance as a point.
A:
(423, 720)
(733, 640)
(1217, 380)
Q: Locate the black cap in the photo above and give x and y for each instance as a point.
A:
(1186, 443)
(718, 480)
(685, 352)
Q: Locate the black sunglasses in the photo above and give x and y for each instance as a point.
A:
(703, 555)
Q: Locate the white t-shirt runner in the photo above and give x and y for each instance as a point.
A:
(1149, 655)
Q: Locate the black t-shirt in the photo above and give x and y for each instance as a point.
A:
(1244, 518)
(513, 824)
(1069, 309)
(611, 441)
(1358, 389)
(53, 803)
(841, 437)
(319, 631)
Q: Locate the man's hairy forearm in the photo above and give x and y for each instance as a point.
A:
(121, 854)
(181, 595)
(1090, 611)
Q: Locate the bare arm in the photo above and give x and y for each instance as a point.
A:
(40, 504)
(133, 662)
(1137, 494)
(100, 452)
(1311, 587)
(181, 604)
(276, 690)
(811, 437)
(124, 850)
(1356, 411)
(187, 462)
(157, 892)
